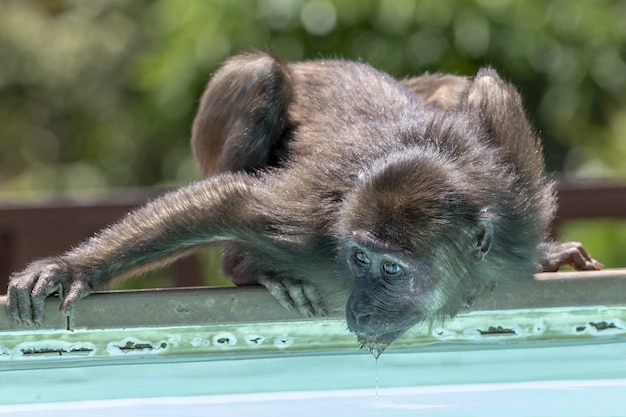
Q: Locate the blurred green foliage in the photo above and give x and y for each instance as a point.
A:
(102, 93)
(606, 239)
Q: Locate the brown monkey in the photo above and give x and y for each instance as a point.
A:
(331, 179)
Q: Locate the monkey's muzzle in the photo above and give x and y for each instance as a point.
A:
(373, 333)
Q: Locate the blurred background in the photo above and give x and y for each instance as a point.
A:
(100, 95)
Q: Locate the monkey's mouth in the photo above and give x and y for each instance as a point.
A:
(376, 328)
(377, 344)
(375, 348)
(375, 335)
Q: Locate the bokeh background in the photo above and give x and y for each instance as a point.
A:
(101, 94)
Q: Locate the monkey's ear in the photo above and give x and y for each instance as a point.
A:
(483, 238)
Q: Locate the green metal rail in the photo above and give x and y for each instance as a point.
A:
(213, 323)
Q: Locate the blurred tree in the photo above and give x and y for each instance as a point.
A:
(101, 93)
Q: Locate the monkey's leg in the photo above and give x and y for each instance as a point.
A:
(242, 266)
(240, 126)
(556, 254)
(242, 118)
(219, 208)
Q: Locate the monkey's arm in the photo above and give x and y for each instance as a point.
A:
(219, 208)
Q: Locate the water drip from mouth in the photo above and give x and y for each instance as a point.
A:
(376, 352)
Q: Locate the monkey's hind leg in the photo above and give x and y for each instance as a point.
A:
(556, 254)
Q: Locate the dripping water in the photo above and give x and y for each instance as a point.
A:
(376, 371)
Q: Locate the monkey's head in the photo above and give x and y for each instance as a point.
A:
(413, 234)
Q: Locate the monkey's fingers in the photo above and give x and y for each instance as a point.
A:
(19, 305)
(295, 294)
(315, 299)
(72, 294)
(557, 254)
(580, 259)
(28, 290)
(278, 291)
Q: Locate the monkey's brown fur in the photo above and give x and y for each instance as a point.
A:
(331, 179)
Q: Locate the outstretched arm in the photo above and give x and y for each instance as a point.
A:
(219, 208)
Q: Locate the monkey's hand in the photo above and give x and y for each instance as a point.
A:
(29, 288)
(557, 254)
(295, 294)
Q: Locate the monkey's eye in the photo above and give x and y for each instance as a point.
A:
(390, 268)
(361, 257)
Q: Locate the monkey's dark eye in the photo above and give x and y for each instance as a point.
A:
(361, 257)
(390, 268)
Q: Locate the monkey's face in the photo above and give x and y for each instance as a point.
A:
(390, 293)
(412, 239)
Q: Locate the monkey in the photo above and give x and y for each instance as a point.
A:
(331, 180)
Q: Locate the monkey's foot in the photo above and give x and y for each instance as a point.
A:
(556, 254)
(295, 294)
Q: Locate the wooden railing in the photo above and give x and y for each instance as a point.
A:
(31, 231)
(590, 201)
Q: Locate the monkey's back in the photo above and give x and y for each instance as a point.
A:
(322, 126)
(348, 118)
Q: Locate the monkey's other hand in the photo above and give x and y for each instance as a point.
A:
(295, 294)
(29, 288)
(556, 254)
